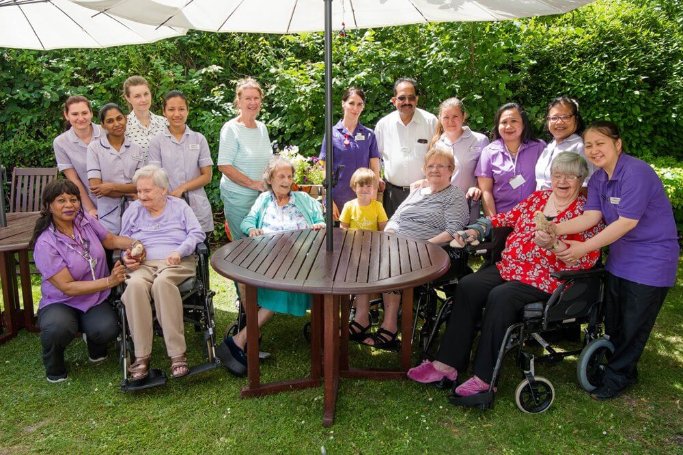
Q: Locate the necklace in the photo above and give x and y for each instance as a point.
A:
(560, 208)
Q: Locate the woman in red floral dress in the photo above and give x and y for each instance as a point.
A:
(522, 276)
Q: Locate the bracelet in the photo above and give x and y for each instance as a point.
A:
(108, 282)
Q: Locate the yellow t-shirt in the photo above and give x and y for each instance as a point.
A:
(363, 217)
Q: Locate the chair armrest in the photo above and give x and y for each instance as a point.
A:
(578, 274)
(201, 249)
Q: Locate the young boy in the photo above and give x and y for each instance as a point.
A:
(364, 212)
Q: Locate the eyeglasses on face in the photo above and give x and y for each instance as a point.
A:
(403, 98)
(569, 178)
(437, 167)
(560, 118)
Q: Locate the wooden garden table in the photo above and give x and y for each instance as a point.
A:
(361, 262)
(14, 239)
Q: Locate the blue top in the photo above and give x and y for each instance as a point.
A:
(647, 254)
(309, 207)
(352, 149)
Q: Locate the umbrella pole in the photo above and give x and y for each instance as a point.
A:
(329, 165)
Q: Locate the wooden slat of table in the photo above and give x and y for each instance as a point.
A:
(298, 271)
(404, 257)
(271, 262)
(296, 255)
(364, 261)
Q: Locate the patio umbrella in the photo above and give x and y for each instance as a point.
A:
(293, 16)
(55, 24)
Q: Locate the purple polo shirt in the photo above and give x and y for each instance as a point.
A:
(71, 153)
(496, 162)
(648, 253)
(361, 147)
(55, 251)
(176, 229)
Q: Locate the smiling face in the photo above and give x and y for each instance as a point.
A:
(114, 123)
(601, 150)
(452, 118)
(511, 126)
(280, 181)
(405, 99)
(249, 102)
(64, 208)
(353, 107)
(565, 186)
(365, 192)
(438, 171)
(561, 122)
(151, 196)
(139, 97)
(79, 116)
(175, 111)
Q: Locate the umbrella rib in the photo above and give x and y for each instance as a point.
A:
(229, 15)
(291, 16)
(21, 2)
(31, 25)
(353, 13)
(418, 11)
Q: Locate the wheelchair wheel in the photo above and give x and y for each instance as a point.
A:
(537, 398)
(592, 363)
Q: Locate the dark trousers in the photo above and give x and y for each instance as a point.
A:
(59, 324)
(393, 197)
(503, 301)
(630, 313)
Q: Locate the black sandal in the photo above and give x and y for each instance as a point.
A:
(384, 339)
(357, 332)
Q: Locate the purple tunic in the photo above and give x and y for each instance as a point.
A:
(647, 254)
(352, 149)
(55, 251)
(496, 162)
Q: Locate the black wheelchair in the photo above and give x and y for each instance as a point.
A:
(198, 310)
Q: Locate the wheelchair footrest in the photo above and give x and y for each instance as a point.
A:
(483, 400)
(155, 378)
(201, 368)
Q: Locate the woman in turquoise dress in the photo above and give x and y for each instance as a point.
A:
(277, 209)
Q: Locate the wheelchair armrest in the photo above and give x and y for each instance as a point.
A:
(202, 249)
(578, 274)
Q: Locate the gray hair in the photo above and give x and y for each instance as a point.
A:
(274, 163)
(158, 175)
(570, 163)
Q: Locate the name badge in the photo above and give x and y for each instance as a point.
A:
(194, 146)
(517, 181)
(360, 137)
(614, 200)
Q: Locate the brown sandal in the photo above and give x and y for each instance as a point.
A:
(179, 367)
(140, 368)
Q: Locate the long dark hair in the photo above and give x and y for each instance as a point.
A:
(51, 192)
(527, 134)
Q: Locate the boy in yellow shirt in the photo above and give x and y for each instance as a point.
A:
(364, 212)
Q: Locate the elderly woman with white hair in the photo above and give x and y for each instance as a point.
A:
(170, 232)
(277, 209)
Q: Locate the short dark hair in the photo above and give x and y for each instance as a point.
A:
(573, 105)
(605, 127)
(51, 192)
(353, 91)
(108, 107)
(527, 134)
(409, 80)
(174, 94)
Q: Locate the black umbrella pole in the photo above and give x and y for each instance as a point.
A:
(329, 164)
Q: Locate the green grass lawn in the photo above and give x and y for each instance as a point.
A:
(89, 413)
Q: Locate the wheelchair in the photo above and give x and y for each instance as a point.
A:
(198, 310)
(579, 300)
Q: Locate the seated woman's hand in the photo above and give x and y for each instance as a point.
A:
(173, 258)
(130, 262)
(416, 185)
(118, 274)
(573, 253)
(473, 193)
(544, 239)
(318, 226)
(465, 238)
(254, 232)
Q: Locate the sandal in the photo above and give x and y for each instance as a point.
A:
(140, 368)
(384, 339)
(179, 367)
(357, 332)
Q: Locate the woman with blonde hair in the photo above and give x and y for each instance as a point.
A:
(143, 124)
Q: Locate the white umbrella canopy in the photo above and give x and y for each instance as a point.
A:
(294, 16)
(58, 24)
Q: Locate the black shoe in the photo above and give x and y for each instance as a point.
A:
(232, 357)
(606, 392)
(56, 378)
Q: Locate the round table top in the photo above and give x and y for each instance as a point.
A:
(361, 261)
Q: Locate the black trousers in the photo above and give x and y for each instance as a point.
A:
(393, 197)
(503, 301)
(59, 324)
(630, 313)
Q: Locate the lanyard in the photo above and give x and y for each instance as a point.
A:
(84, 246)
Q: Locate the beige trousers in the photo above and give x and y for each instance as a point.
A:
(155, 280)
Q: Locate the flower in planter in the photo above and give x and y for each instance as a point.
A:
(307, 170)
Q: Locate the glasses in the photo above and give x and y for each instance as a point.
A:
(560, 118)
(569, 178)
(403, 98)
(437, 167)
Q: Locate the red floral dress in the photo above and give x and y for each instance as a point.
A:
(522, 260)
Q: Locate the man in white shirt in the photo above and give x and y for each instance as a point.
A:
(402, 139)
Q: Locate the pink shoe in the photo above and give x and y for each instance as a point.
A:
(426, 373)
(472, 386)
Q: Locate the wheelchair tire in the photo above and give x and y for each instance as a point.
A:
(592, 362)
(544, 391)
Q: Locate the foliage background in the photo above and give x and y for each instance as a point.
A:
(621, 59)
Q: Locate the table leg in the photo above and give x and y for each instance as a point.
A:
(331, 358)
(253, 367)
(406, 328)
(9, 295)
(316, 337)
(29, 320)
(346, 302)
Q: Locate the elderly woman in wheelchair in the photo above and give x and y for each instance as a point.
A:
(522, 276)
(170, 232)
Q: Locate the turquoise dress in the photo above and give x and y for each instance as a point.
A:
(277, 219)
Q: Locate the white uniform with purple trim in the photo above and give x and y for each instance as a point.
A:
(71, 153)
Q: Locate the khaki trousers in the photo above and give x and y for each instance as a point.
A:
(155, 280)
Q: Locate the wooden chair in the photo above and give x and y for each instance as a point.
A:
(27, 187)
